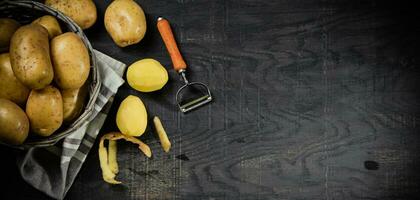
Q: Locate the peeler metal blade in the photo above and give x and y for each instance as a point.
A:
(194, 103)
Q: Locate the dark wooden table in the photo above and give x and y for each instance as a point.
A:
(314, 99)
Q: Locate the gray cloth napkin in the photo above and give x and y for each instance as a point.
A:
(52, 170)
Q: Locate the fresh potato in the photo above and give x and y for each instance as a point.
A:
(83, 12)
(14, 125)
(7, 28)
(30, 56)
(70, 60)
(45, 110)
(51, 24)
(73, 102)
(125, 22)
(132, 116)
(147, 75)
(10, 87)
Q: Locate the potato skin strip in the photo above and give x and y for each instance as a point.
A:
(163, 137)
(112, 156)
(108, 158)
(107, 173)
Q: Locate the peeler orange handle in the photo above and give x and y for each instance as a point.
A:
(170, 43)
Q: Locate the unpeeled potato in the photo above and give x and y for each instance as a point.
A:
(14, 125)
(132, 116)
(70, 60)
(125, 22)
(45, 110)
(147, 75)
(73, 101)
(10, 87)
(49, 23)
(30, 56)
(83, 12)
(7, 28)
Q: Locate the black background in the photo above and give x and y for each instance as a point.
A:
(314, 99)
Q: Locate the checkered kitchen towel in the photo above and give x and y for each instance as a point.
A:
(52, 170)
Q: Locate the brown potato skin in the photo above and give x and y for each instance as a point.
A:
(10, 87)
(45, 110)
(83, 12)
(70, 60)
(7, 28)
(30, 56)
(14, 124)
(125, 22)
(51, 24)
(73, 103)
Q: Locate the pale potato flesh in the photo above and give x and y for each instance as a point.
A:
(132, 116)
(147, 75)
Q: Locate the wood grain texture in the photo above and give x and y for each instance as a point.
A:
(313, 100)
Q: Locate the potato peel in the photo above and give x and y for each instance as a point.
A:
(108, 159)
(163, 137)
(107, 173)
(112, 156)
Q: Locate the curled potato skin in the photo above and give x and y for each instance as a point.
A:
(108, 158)
(112, 156)
(107, 173)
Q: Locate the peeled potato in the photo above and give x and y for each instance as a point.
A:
(49, 23)
(125, 22)
(147, 75)
(132, 116)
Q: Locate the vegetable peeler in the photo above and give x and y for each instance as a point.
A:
(192, 101)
